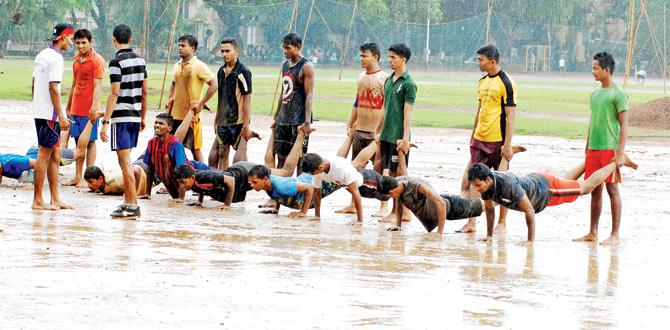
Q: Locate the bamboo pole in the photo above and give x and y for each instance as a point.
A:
(169, 47)
(489, 11)
(662, 62)
(346, 47)
(665, 46)
(309, 18)
(145, 29)
(631, 37)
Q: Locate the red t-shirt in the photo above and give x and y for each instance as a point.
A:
(85, 74)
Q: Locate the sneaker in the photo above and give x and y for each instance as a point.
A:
(126, 211)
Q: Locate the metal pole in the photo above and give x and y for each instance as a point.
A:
(169, 43)
(346, 47)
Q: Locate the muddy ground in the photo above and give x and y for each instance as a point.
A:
(193, 267)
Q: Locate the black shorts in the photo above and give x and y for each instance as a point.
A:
(48, 133)
(462, 208)
(229, 135)
(390, 156)
(361, 139)
(285, 136)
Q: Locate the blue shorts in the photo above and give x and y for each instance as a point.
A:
(77, 127)
(124, 135)
(199, 165)
(48, 133)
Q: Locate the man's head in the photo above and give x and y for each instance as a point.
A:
(259, 178)
(83, 40)
(313, 164)
(185, 176)
(603, 66)
(94, 178)
(62, 36)
(188, 44)
(480, 177)
(390, 186)
(399, 55)
(122, 36)
(163, 124)
(369, 55)
(488, 57)
(229, 50)
(292, 44)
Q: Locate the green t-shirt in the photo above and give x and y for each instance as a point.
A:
(605, 107)
(396, 94)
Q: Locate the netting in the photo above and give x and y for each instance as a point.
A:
(532, 36)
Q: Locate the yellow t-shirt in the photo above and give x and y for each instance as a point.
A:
(189, 78)
(495, 93)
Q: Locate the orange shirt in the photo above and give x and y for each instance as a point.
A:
(85, 73)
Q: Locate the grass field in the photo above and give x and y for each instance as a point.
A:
(547, 105)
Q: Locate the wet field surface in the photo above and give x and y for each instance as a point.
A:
(202, 268)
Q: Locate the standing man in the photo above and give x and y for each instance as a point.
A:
(233, 112)
(190, 74)
(394, 127)
(126, 110)
(491, 138)
(367, 111)
(606, 142)
(49, 119)
(84, 101)
(295, 108)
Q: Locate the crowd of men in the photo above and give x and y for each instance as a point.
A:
(378, 133)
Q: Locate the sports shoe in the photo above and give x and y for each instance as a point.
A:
(126, 211)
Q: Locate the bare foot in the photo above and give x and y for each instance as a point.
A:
(311, 129)
(347, 210)
(389, 218)
(525, 243)
(356, 223)
(517, 149)
(61, 205)
(467, 228)
(43, 206)
(590, 237)
(630, 163)
(72, 182)
(381, 213)
(255, 135)
(500, 228)
(162, 191)
(271, 203)
(612, 240)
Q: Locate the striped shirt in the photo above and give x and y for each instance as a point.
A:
(130, 70)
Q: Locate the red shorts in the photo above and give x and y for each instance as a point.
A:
(562, 191)
(597, 159)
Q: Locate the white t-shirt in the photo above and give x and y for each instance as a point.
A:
(341, 172)
(48, 68)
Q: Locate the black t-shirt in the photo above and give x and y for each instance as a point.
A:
(370, 183)
(212, 183)
(508, 190)
(231, 89)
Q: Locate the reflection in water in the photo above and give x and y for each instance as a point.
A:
(600, 315)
